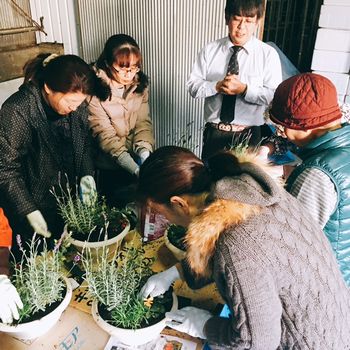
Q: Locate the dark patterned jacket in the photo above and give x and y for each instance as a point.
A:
(29, 159)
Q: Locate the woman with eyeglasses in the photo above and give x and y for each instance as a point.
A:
(122, 124)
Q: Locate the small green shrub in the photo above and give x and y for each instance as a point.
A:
(115, 284)
(38, 277)
(87, 220)
(176, 236)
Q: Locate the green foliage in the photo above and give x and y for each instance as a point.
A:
(176, 235)
(134, 312)
(240, 147)
(38, 277)
(116, 283)
(83, 219)
(184, 138)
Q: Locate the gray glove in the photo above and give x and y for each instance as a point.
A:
(10, 301)
(144, 154)
(158, 284)
(125, 160)
(87, 188)
(190, 320)
(38, 223)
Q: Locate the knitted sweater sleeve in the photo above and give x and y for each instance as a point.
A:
(255, 305)
(316, 191)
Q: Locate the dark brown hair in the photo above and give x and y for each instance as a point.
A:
(65, 73)
(246, 8)
(171, 171)
(118, 50)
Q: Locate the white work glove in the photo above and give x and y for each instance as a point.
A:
(10, 301)
(38, 223)
(137, 171)
(87, 188)
(158, 284)
(190, 320)
(144, 154)
(263, 153)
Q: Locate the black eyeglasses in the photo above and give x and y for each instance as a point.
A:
(126, 70)
(280, 130)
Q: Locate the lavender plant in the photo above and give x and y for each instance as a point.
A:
(38, 277)
(84, 219)
(115, 285)
(184, 137)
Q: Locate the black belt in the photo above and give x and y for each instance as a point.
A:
(228, 127)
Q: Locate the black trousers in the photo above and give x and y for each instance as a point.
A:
(215, 140)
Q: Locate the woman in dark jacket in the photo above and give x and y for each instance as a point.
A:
(44, 134)
(272, 264)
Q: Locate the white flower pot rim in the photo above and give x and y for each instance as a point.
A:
(36, 328)
(100, 244)
(132, 336)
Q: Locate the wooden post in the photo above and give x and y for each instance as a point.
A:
(261, 24)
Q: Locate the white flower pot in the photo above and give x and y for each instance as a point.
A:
(132, 337)
(37, 328)
(94, 247)
(178, 253)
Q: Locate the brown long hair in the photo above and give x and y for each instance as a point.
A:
(119, 49)
(65, 73)
(172, 170)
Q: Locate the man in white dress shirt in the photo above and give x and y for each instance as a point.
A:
(258, 76)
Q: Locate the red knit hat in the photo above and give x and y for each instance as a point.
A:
(305, 101)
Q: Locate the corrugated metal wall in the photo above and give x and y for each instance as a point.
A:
(170, 34)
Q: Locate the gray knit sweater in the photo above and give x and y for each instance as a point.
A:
(277, 273)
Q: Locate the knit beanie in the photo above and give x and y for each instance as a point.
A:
(305, 101)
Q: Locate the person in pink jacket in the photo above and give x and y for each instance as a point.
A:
(121, 124)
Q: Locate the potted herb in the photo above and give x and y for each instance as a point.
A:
(114, 286)
(175, 240)
(43, 289)
(85, 222)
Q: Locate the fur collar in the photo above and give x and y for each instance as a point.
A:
(233, 200)
(207, 227)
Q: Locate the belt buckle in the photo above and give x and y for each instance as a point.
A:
(224, 127)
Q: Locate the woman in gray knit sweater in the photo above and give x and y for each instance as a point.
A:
(271, 262)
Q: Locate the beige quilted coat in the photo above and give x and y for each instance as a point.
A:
(122, 124)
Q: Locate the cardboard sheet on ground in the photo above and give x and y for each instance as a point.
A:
(76, 330)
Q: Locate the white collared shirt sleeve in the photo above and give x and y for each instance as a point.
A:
(197, 84)
(272, 77)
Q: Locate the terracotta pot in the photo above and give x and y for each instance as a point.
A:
(178, 253)
(37, 328)
(131, 337)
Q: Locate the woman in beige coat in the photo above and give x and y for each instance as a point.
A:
(122, 124)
